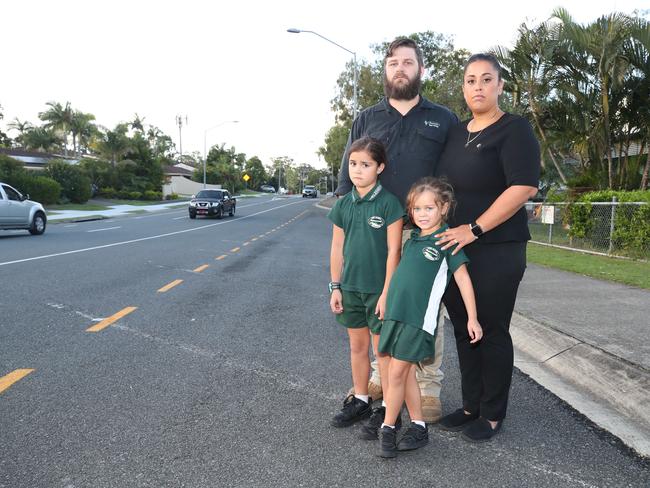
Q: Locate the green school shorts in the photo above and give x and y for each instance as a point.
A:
(359, 311)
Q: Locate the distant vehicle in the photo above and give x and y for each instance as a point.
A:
(309, 191)
(17, 211)
(283, 191)
(212, 203)
(267, 189)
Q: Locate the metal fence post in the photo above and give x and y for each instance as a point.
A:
(611, 226)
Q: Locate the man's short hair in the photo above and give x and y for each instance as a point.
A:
(404, 42)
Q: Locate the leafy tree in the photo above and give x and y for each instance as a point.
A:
(82, 130)
(332, 150)
(5, 141)
(41, 139)
(255, 169)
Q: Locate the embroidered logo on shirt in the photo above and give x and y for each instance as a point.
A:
(431, 253)
(431, 123)
(376, 222)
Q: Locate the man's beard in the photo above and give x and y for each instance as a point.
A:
(403, 92)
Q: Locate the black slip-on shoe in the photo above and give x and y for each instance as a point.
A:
(369, 431)
(387, 442)
(415, 437)
(480, 430)
(353, 410)
(456, 421)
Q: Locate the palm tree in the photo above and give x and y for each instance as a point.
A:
(41, 139)
(137, 123)
(21, 127)
(81, 126)
(59, 118)
(603, 43)
(527, 69)
(114, 144)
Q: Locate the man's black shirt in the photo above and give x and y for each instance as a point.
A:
(413, 143)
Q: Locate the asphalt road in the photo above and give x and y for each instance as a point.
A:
(230, 377)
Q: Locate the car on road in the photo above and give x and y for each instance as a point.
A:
(309, 191)
(267, 189)
(212, 203)
(17, 211)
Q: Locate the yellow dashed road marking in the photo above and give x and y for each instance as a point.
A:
(235, 249)
(113, 318)
(201, 268)
(246, 243)
(16, 375)
(169, 286)
(254, 239)
(223, 256)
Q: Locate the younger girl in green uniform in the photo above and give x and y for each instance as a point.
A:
(413, 307)
(366, 242)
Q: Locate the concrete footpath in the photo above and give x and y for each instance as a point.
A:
(586, 340)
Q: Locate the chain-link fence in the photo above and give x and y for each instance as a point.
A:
(616, 228)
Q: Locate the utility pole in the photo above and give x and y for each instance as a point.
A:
(179, 122)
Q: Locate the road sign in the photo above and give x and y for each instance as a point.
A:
(246, 178)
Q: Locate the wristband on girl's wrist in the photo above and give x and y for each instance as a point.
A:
(334, 285)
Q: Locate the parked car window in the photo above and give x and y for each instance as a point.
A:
(11, 193)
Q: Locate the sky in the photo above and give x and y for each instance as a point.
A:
(216, 62)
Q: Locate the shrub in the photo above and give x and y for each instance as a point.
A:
(152, 195)
(75, 185)
(134, 195)
(107, 192)
(172, 196)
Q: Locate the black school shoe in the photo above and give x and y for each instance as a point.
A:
(370, 431)
(457, 420)
(353, 410)
(480, 430)
(415, 437)
(387, 442)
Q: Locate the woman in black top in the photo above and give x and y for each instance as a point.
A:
(493, 163)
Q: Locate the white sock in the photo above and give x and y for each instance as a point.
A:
(419, 422)
(363, 398)
(383, 403)
(389, 426)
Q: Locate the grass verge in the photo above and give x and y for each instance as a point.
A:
(628, 271)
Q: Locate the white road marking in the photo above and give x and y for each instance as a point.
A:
(107, 228)
(122, 243)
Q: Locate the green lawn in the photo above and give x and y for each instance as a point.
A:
(628, 271)
(76, 206)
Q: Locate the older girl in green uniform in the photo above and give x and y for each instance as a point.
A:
(413, 307)
(366, 243)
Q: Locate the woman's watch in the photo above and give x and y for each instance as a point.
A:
(334, 285)
(476, 229)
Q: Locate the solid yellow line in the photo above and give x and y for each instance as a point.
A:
(235, 249)
(201, 268)
(169, 286)
(113, 318)
(16, 375)
(220, 257)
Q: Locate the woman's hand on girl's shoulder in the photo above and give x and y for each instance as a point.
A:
(459, 236)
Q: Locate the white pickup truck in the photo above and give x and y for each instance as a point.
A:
(17, 211)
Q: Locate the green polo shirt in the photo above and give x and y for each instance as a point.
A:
(365, 223)
(419, 281)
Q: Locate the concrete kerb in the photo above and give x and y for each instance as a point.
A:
(610, 391)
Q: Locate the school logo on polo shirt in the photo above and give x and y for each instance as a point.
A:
(431, 253)
(376, 222)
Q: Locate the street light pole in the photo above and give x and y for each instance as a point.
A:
(355, 104)
(205, 146)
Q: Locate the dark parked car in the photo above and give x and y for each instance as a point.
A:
(267, 189)
(309, 191)
(17, 211)
(212, 203)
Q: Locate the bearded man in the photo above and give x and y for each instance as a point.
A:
(414, 131)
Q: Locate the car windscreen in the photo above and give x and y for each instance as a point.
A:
(209, 194)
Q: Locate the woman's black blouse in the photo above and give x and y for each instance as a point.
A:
(506, 153)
